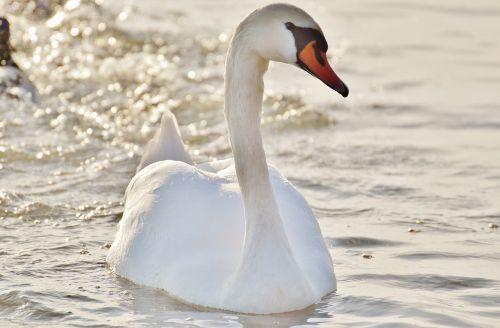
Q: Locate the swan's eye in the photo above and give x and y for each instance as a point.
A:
(304, 36)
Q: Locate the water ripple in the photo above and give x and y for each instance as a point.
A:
(427, 281)
(360, 242)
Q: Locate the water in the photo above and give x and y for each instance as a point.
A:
(416, 147)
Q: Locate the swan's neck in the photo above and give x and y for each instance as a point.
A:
(243, 106)
(267, 265)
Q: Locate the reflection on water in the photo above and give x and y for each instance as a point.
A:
(405, 171)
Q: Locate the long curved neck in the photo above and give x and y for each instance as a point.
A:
(267, 257)
(243, 106)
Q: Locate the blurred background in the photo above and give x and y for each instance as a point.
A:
(403, 175)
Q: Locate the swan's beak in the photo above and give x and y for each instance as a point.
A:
(314, 61)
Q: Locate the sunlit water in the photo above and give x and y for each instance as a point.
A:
(406, 170)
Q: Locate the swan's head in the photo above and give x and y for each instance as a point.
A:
(285, 33)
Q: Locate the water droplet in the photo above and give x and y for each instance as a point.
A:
(223, 37)
(74, 31)
(72, 5)
(123, 15)
(112, 41)
(101, 27)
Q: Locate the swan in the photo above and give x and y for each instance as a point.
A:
(13, 82)
(232, 235)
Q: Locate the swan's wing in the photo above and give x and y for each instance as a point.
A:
(166, 144)
(216, 166)
(182, 231)
(304, 234)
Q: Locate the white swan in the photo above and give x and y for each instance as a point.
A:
(13, 82)
(231, 236)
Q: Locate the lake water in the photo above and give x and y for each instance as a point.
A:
(407, 169)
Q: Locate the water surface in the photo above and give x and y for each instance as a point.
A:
(415, 147)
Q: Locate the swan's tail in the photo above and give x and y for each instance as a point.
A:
(166, 144)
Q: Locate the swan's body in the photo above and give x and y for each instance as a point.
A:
(183, 231)
(13, 82)
(229, 235)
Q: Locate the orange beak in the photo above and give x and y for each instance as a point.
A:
(314, 61)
